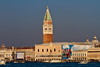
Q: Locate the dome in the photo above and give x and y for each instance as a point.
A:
(3, 46)
(95, 39)
(87, 39)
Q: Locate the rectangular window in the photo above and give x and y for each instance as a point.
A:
(38, 50)
(50, 50)
(42, 50)
(54, 50)
(45, 28)
(85, 54)
(49, 28)
(47, 50)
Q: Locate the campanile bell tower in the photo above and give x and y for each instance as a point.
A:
(47, 28)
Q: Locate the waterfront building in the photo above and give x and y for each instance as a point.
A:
(26, 53)
(17, 53)
(5, 53)
(48, 51)
(79, 55)
(93, 53)
(59, 50)
(30, 55)
(47, 28)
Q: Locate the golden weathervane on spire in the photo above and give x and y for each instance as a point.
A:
(47, 7)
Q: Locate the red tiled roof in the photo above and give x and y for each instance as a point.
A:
(97, 45)
(21, 47)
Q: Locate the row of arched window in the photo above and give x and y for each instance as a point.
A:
(79, 58)
(81, 54)
(47, 59)
(47, 50)
(47, 28)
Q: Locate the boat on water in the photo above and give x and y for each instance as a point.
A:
(52, 61)
(23, 62)
(2, 62)
(55, 61)
(83, 62)
(46, 61)
(15, 62)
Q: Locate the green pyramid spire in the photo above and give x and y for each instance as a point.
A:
(47, 15)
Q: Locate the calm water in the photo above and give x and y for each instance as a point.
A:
(38, 64)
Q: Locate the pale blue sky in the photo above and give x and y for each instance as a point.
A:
(21, 20)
